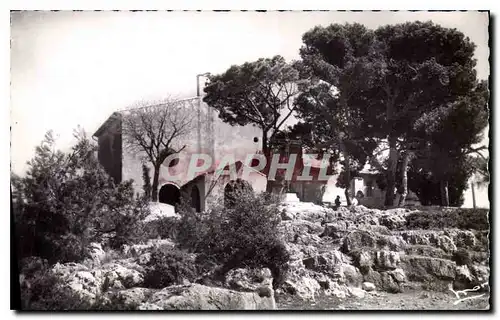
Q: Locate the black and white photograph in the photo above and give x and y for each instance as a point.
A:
(176, 160)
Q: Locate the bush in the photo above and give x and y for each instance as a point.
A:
(461, 218)
(168, 267)
(66, 201)
(163, 228)
(244, 235)
(462, 257)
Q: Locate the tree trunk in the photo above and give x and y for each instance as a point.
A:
(347, 170)
(154, 186)
(473, 195)
(267, 155)
(404, 180)
(391, 172)
(445, 200)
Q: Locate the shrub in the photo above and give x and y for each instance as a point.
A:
(436, 218)
(66, 201)
(168, 267)
(163, 228)
(462, 257)
(244, 235)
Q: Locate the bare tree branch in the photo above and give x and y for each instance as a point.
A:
(154, 131)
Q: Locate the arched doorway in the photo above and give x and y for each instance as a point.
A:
(169, 194)
(195, 199)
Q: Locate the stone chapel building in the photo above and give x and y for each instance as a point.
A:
(210, 136)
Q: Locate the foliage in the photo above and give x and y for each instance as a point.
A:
(169, 266)
(450, 133)
(66, 201)
(339, 61)
(467, 219)
(259, 93)
(245, 235)
(163, 228)
(462, 257)
(147, 181)
(423, 68)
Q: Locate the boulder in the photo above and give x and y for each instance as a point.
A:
(146, 306)
(446, 243)
(398, 275)
(293, 229)
(304, 287)
(84, 283)
(133, 296)
(337, 290)
(326, 261)
(428, 251)
(389, 281)
(287, 215)
(427, 269)
(248, 279)
(336, 230)
(88, 283)
(200, 297)
(464, 278)
(307, 239)
(363, 258)
(448, 240)
(95, 252)
(391, 243)
(305, 211)
(387, 260)
(358, 239)
(356, 292)
(392, 221)
(66, 269)
(366, 219)
(370, 275)
(368, 286)
(117, 276)
(139, 249)
(348, 274)
(375, 228)
(365, 239)
(481, 274)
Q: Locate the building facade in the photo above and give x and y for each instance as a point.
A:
(210, 136)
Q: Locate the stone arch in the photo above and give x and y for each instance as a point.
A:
(195, 198)
(232, 189)
(169, 194)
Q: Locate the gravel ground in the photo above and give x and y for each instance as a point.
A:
(416, 300)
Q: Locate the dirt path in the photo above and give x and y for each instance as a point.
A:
(416, 300)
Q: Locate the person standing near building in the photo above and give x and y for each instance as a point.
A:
(337, 202)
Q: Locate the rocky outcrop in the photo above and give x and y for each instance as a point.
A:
(90, 283)
(377, 248)
(427, 269)
(200, 297)
(367, 239)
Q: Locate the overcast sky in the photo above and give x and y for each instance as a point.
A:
(76, 68)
